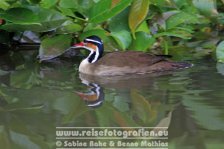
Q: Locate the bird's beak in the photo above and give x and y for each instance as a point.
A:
(79, 45)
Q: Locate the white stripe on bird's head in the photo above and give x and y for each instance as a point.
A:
(93, 41)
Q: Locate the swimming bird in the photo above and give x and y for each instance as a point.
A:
(122, 63)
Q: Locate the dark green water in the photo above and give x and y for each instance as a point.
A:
(37, 98)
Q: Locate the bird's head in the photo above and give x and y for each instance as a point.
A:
(95, 45)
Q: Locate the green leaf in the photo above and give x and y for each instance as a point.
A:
(220, 52)
(180, 18)
(54, 46)
(84, 6)
(4, 5)
(104, 10)
(99, 32)
(120, 104)
(67, 12)
(142, 42)
(99, 8)
(19, 15)
(138, 12)
(181, 3)
(141, 107)
(69, 27)
(120, 21)
(68, 3)
(22, 27)
(143, 27)
(160, 3)
(207, 7)
(123, 38)
(48, 3)
(175, 33)
(40, 21)
(50, 19)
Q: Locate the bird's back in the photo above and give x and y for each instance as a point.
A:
(129, 58)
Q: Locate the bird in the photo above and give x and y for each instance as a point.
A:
(122, 62)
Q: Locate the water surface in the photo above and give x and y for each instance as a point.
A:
(36, 98)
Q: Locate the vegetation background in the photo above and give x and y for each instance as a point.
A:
(184, 28)
(35, 98)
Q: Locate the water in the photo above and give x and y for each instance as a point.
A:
(37, 98)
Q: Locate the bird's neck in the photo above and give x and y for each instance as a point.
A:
(85, 67)
(94, 56)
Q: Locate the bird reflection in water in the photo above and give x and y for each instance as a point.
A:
(95, 95)
(123, 84)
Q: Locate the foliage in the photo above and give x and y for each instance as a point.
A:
(131, 24)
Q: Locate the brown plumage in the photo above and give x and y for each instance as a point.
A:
(129, 58)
